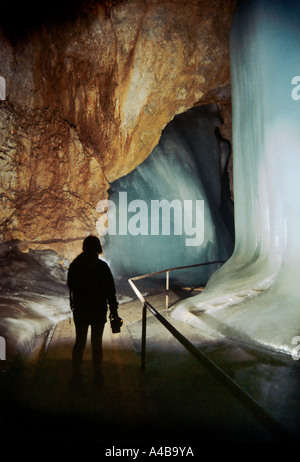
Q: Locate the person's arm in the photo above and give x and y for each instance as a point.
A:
(71, 301)
(111, 293)
(69, 283)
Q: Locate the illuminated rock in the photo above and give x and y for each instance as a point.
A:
(87, 97)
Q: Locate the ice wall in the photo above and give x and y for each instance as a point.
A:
(186, 166)
(255, 296)
(33, 298)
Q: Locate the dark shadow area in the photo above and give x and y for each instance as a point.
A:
(19, 18)
(174, 401)
(187, 406)
(269, 378)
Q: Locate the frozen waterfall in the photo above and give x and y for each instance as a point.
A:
(255, 296)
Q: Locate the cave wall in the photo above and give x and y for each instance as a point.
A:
(87, 97)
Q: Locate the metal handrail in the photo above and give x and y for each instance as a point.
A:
(167, 271)
(274, 427)
(145, 303)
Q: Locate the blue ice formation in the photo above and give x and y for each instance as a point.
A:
(194, 223)
(255, 296)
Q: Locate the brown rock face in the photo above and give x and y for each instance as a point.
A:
(87, 99)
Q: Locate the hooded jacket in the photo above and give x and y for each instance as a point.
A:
(92, 288)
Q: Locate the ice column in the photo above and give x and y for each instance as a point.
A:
(255, 296)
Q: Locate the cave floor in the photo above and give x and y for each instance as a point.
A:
(176, 400)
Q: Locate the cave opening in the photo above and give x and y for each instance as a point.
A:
(176, 208)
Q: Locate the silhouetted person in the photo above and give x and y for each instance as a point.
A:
(92, 289)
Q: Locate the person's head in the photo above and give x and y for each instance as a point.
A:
(92, 244)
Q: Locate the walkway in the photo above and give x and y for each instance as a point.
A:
(175, 400)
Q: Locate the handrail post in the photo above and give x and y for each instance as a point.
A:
(144, 321)
(167, 288)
